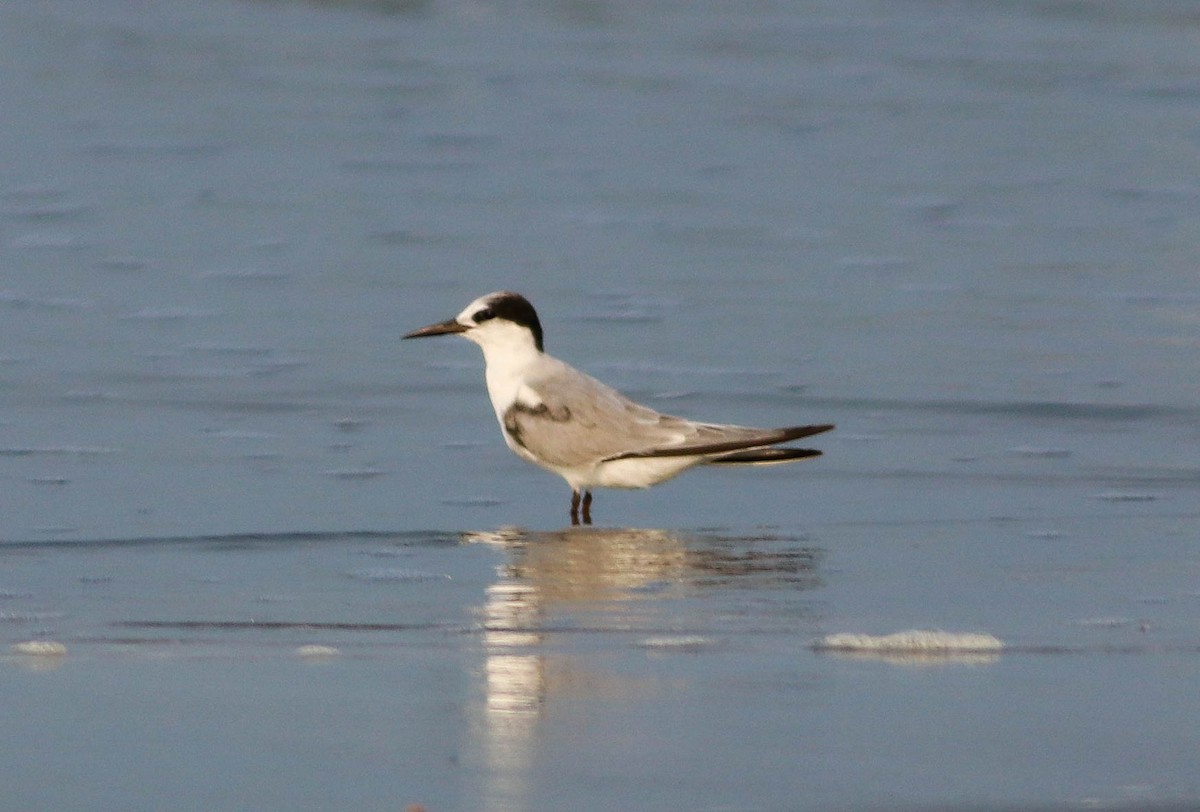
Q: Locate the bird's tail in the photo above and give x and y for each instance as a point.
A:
(764, 456)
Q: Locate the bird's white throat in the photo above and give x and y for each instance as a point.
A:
(509, 353)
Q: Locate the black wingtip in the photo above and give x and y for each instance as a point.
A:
(760, 456)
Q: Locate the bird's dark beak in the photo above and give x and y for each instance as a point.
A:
(442, 328)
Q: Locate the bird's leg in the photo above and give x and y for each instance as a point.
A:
(575, 508)
(587, 507)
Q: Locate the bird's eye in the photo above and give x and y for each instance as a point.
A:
(484, 315)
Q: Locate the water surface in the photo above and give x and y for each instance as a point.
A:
(965, 232)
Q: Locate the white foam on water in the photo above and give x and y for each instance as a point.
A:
(39, 648)
(918, 641)
(679, 642)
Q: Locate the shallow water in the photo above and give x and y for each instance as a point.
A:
(965, 232)
(515, 670)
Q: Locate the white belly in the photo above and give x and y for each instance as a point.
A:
(639, 473)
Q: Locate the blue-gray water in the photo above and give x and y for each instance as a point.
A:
(966, 232)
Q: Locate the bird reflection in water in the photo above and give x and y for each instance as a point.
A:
(607, 582)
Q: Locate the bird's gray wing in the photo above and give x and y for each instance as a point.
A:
(574, 419)
(577, 420)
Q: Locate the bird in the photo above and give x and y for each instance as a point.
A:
(591, 435)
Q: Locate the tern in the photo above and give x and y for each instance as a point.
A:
(591, 435)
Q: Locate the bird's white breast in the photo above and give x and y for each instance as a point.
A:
(510, 357)
(506, 384)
